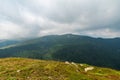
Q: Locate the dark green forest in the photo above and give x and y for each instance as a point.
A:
(69, 47)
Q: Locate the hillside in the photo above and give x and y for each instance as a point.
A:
(30, 69)
(4, 43)
(69, 47)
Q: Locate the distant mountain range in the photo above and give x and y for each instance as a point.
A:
(4, 43)
(68, 47)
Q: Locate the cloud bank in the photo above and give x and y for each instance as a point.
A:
(34, 18)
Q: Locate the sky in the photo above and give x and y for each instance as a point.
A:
(35, 18)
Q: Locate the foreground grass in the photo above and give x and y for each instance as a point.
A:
(29, 69)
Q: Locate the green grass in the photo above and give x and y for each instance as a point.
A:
(30, 69)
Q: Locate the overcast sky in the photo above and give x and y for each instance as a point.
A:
(33, 18)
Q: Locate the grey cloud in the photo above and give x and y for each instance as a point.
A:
(32, 18)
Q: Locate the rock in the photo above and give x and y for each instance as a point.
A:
(81, 64)
(18, 71)
(50, 77)
(88, 69)
(74, 64)
(66, 62)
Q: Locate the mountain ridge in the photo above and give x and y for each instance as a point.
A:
(69, 47)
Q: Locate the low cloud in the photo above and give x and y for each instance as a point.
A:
(34, 18)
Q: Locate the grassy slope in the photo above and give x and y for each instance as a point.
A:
(29, 69)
